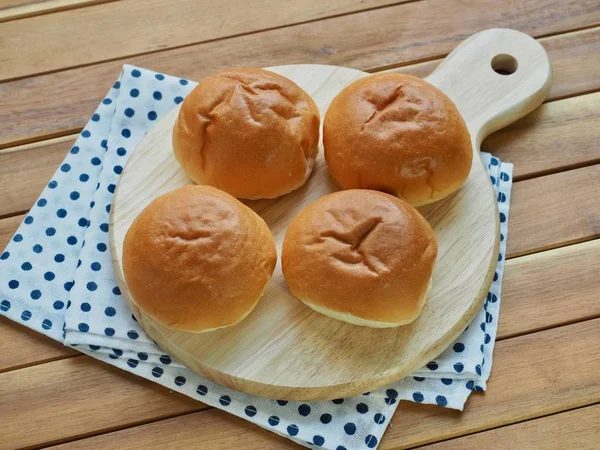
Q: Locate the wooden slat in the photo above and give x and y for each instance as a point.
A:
(20, 347)
(25, 172)
(120, 29)
(61, 103)
(533, 375)
(78, 396)
(575, 59)
(557, 136)
(554, 210)
(17, 9)
(578, 429)
(550, 289)
(8, 227)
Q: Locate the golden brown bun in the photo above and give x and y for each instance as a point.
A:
(196, 259)
(361, 256)
(398, 134)
(249, 132)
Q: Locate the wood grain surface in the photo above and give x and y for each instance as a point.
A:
(60, 103)
(550, 296)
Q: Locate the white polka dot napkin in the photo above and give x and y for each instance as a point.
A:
(56, 278)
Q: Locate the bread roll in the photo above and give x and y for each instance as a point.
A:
(361, 256)
(197, 259)
(398, 134)
(249, 132)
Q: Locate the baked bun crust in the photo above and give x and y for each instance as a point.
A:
(398, 134)
(361, 256)
(196, 259)
(249, 132)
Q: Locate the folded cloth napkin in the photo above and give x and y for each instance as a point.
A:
(56, 277)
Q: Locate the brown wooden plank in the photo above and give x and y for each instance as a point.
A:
(8, 227)
(17, 9)
(550, 289)
(61, 103)
(575, 59)
(120, 29)
(20, 347)
(78, 396)
(533, 375)
(554, 210)
(25, 172)
(557, 136)
(578, 429)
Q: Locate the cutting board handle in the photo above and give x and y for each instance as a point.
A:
(495, 77)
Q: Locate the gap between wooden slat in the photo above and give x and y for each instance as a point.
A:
(40, 8)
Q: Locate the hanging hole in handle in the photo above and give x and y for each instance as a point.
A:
(504, 64)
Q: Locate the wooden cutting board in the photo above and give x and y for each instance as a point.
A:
(285, 350)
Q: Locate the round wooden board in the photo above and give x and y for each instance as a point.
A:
(285, 350)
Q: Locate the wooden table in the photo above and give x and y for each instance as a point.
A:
(59, 57)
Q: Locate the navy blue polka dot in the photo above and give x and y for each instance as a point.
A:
(447, 381)
(74, 150)
(493, 180)
(107, 101)
(49, 276)
(432, 365)
(74, 195)
(273, 421)
(96, 161)
(116, 290)
(101, 247)
(152, 115)
(36, 294)
(125, 132)
(61, 213)
(458, 367)
(69, 302)
(121, 151)
(17, 237)
(165, 359)
(293, 429)
(250, 411)
(325, 418)
(178, 100)
(419, 379)
(86, 307)
(113, 356)
(28, 220)
(202, 390)
(26, 266)
(183, 82)
(104, 227)
(96, 117)
(50, 231)
(107, 208)
(350, 428)
(132, 363)
(362, 408)
(65, 167)
(132, 334)
(304, 410)
(318, 440)
(96, 266)
(117, 85)
(4, 305)
(91, 286)
(441, 400)
(111, 188)
(86, 133)
(13, 284)
(488, 317)
(379, 418)
(501, 197)
(4, 256)
(478, 369)
(157, 372)
(83, 327)
(46, 324)
(504, 176)
(157, 95)
(180, 381)
(26, 315)
(134, 93)
(341, 447)
(458, 347)
(136, 73)
(338, 401)
(68, 286)
(118, 170)
(72, 240)
(58, 305)
(143, 356)
(225, 400)
(159, 77)
(84, 177)
(502, 217)
(282, 402)
(371, 441)
(129, 112)
(59, 257)
(109, 331)
(418, 397)
(52, 184)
